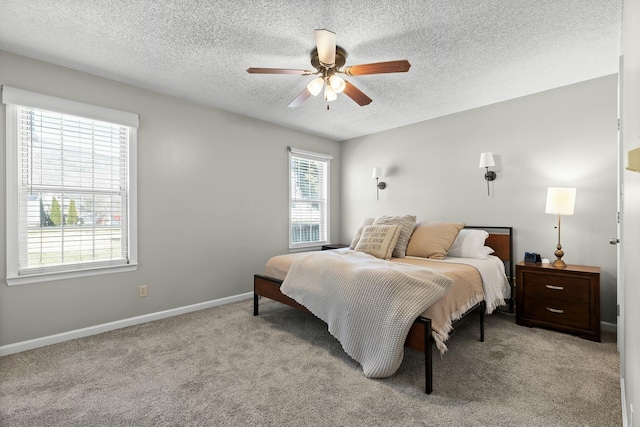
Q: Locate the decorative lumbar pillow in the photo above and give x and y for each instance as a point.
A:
(378, 240)
(469, 244)
(433, 239)
(356, 237)
(406, 223)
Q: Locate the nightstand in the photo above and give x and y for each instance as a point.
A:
(565, 299)
(334, 246)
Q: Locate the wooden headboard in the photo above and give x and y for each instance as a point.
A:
(501, 244)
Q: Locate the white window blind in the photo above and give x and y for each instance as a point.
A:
(70, 204)
(308, 198)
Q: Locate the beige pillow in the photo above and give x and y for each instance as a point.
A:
(406, 222)
(356, 237)
(433, 239)
(378, 240)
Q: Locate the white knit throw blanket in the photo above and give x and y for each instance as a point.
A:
(368, 304)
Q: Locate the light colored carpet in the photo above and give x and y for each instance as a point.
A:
(223, 366)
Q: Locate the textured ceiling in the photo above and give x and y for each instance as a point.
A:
(464, 53)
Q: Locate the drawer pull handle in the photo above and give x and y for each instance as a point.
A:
(555, 310)
(556, 288)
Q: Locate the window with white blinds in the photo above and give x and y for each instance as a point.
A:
(70, 208)
(308, 198)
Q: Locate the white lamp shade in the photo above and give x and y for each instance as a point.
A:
(337, 84)
(486, 160)
(560, 201)
(329, 94)
(377, 173)
(315, 86)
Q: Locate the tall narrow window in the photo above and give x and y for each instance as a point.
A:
(308, 198)
(71, 192)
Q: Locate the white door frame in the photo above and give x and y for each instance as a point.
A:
(620, 223)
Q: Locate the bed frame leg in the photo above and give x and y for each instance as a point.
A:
(255, 304)
(483, 309)
(428, 357)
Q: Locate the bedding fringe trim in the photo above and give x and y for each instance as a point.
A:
(441, 336)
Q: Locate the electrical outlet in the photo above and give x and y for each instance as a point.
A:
(142, 291)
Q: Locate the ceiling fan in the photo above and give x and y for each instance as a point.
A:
(328, 59)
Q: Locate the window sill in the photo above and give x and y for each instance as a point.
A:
(315, 246)
(63, 275)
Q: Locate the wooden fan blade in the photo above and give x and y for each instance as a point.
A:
(400, 66)
(302, 96)
(326, 44)
(278, 71)
(356, 94)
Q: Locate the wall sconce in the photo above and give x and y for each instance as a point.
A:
(560, 201)
(486, 160)
(377, 174)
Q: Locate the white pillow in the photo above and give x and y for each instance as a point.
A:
(469, 243)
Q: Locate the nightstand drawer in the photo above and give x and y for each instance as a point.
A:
(556, 311)
(562, 287)
(566, 299)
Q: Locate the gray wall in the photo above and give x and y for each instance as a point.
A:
(197, 212)
(212, 206)
(630, 366)
(563, 137)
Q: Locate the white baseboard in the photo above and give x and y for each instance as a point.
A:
(105, 327)
(623, 399)
(609, 327)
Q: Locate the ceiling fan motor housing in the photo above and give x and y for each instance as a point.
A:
(341, 58)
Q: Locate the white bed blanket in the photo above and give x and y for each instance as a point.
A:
(494, 280)
(372, 326)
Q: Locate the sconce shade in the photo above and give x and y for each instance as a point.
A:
(377, 174)
(560, 201)
(486, 160)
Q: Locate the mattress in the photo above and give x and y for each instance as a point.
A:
(473, 281)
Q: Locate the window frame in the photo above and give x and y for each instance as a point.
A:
(318, 157)
(12, 98)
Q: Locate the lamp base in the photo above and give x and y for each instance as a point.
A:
(559, 253)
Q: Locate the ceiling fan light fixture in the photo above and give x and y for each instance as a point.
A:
(329, 94)
(315, 86)
(337, 83)
(328, 59)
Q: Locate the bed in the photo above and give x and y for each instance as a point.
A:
(432, 326)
